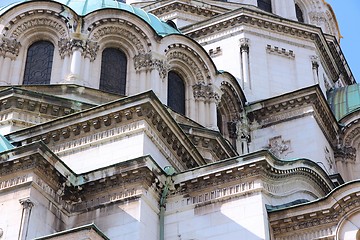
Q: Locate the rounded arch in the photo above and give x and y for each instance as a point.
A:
(348, 228)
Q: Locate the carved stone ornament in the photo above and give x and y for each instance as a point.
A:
(9, 45)
(26, 203)
(89, 48)
(279, 147)
(244, 44)
(146, 61)
(114, 30)
(206, 92)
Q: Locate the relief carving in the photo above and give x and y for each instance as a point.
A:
(39, 22)
(146, 61)
(205, 91)
(279, 147)
(9, 45)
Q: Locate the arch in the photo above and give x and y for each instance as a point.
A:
(113, 71)
(38, 64)
(176, 92)
(265, 5)
(299, 13)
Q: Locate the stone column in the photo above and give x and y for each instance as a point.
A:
(244, 49)
(199, 93)
(242, 135)
(315, 68)
(9, 51)
(27, 206)
(90, 53)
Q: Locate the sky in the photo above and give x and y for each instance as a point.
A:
(348, 16)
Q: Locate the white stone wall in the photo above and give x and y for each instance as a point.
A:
(243, 217)
(306, 141)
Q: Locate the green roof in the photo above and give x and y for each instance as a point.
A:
(5, 144)
(345, 100)
(84, 7)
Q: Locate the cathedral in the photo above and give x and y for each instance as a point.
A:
(177, 120)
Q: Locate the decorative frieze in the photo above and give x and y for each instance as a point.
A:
(280, 51)
(116, 30)
(9, 47)
(57, 26)
(15, 181)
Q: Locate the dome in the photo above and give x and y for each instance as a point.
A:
(345, 100)
(84, 7)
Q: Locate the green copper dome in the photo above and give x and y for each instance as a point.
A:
(84, 7)
(345, 100)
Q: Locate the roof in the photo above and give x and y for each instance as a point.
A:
(84, 7)
(344, 101)
(5, 144)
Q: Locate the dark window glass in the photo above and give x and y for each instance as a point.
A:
(38, 64)
(113, 71)
(264, 5)
(176, 93)
(299, 13)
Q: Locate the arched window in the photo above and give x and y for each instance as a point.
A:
(299, 13)
(265, 5)
(38, 64)
(176, 93)
(113, 71)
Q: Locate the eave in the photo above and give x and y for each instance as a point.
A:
(281, 108)
(144, 106)
(247, 16)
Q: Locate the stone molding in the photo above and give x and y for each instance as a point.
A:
(9, 47)
(280, 52)
(183, 151)
(317, 223)
(35, 19)
(178, 6)
(122, 28)
(247, 17)
(187, 55)
(304, 102)
(148, 62)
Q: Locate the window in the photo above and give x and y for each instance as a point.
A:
(38, 63)
(113, 71)
(299, 13)
(176, 93)
(265, 5)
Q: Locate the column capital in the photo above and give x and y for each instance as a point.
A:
(9, 47)
(314, 61)
(87, 47)
(244, 44)
(26, 203)
(206, 92)
(146, 61)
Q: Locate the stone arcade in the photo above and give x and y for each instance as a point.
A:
(176, 120)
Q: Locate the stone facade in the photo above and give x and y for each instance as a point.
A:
(257, 152)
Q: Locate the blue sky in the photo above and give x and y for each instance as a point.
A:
(347, 14)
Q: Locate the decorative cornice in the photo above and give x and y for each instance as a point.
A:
(244, 16)
(178, 6)
(304, 102)
(317, 223)
(117, 114)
